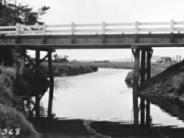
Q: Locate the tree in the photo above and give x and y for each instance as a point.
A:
(10, 14)
(55, 57)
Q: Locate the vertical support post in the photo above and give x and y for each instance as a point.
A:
(143, 73)
(51, 90)
(72, 33)
(103, 28)
(136, 85)
(22, 53)
(17, 29)
(37, 99)
(148, 76)
(44, 28)
(72, 28)
(172, 26)
(136, 27)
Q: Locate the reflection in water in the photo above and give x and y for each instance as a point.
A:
(104, 96)
(94, 96)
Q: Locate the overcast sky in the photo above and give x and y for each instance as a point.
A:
(109, 10)
(97, 11)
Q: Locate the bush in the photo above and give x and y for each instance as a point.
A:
(10, 118)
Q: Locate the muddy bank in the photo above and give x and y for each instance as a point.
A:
(101, 129)
(167, 85)
(170, 106)
(155, 69)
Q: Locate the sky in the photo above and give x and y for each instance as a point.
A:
(98, 11)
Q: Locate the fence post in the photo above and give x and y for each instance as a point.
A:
(17, 29)
(44, 28)
(103, 27)
(136, 27)
(172, 26)
(72, 28)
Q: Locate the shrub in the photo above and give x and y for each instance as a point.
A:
(10, 118)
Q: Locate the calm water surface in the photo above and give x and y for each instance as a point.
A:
(102, 95)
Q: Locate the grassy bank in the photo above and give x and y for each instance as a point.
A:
(110, 64)
(82, 67)
(72, 68)
(10, 117)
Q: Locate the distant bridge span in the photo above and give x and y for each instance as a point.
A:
(94, 36)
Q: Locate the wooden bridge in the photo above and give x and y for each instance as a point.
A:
(105, 35)
(140, 37)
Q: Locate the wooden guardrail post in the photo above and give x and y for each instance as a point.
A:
(172, 26)
(17, 29)
(44, 28)
(103, 27)
(136, 27)
(73, 28)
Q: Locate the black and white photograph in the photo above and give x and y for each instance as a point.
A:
(91, 69)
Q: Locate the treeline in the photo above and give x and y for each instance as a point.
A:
(11, 13)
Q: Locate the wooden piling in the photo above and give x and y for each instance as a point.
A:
(148, 77)
(51, 90)
(136, 53)
(37, 99)
(143, 73)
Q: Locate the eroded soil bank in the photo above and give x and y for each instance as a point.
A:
(155, 70)
(168, 85)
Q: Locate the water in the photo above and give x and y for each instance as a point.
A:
(102, 95)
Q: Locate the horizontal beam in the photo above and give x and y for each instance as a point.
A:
(161, 45)
(29, 47)
(70, 46)
(92, 46)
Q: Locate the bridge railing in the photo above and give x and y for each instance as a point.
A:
(103, 28)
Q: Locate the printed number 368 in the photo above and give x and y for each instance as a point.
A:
(10, 132)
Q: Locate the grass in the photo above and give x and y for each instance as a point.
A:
(110, 64)
(82, 67)
(9, 116)
(71, 68)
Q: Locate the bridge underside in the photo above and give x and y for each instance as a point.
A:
(93, 41)
(141, 45)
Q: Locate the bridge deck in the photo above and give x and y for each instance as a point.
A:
(94, 41)
(87, 36)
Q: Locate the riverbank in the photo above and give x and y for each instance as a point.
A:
(11, 115)
(71, 68)
(82, 67)
(110, 64)
(155, 69)
(101, 129)
(168, 85)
